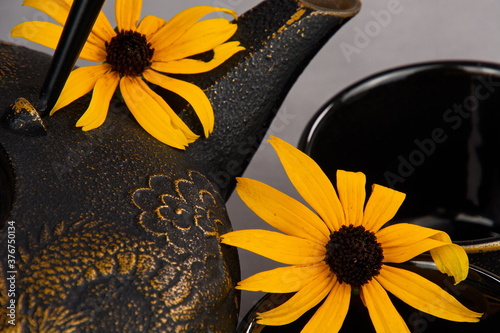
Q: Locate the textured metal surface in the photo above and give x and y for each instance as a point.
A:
(281, 37)
(87, 253)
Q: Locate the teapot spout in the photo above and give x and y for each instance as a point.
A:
(280, 38)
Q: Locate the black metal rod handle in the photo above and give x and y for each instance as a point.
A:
(79, 23)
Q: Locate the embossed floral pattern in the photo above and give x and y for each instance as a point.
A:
(180, 205)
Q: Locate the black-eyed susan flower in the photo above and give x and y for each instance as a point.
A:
(342, 248)
(135, 52)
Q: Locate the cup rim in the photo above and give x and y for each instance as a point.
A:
(387, 75)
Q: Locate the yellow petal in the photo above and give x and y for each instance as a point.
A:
(281, 211)
(191, 93)
(175, 122)
(48, 34)
(150, 24)
(402, 253)
(451, 260)
(311, 182)
(127, 14)
(182, 22)
(381, 207)
(331, 314)
(98, 109)
(193, 66)
(57, 9)
(202, 37)
(306, 298)
(93, 52)
(424, 295)
(382, 312)
(284, 279)
(102, 29)
(401, 234)
(150, 114)
(352, 193)
(276, 246)
(403, 241)
(43, 33)
(80, 81)
(101, 33)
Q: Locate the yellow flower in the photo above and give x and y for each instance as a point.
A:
(139, 51)
(342, 248)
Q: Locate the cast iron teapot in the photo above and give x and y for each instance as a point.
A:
(113, 231)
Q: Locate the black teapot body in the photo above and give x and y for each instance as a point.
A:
(111, 229)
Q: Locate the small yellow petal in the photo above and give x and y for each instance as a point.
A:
(451, 260)
(93, 52)
(381, 207)
(174, 121)
(311, 182)
(331, 314)
(424, 295)
(182, 22)
(276, 246)
(57, 9)
(149, 114)
(191, 93)
(80, 81)
(48, 34)
(127, 14)
(283, 279)
(98, 109)
(382, 312)
(402, 253)
(401, 234)
(40, 32)
(305, 299)
(192, 66)
(202, 37)
(403, 241)
(150, 24)
(101, 33)
(102, 29)
(352, 193)
(281, 211)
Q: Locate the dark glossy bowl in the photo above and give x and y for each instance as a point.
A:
(431, 130)
(479, 292)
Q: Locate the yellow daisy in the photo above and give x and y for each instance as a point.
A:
(137, 51)
(342, 249)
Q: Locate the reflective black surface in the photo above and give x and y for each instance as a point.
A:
(479, 292)
(429, 130)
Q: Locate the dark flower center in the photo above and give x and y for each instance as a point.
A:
(354, 255)
(129, 53)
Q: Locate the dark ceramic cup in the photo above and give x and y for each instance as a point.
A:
(479, 292)
(432, 131)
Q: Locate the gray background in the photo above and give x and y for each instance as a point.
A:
(422, 30)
